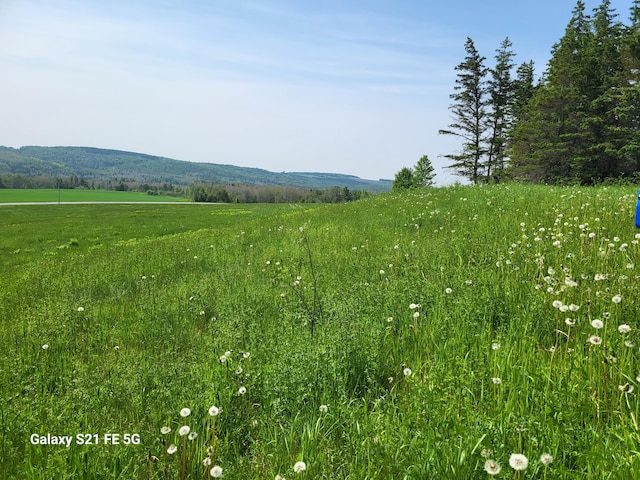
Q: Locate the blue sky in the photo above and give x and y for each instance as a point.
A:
(354, 87)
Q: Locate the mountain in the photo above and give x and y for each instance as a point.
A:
(102, 164)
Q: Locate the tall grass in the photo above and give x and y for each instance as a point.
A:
(404, 336)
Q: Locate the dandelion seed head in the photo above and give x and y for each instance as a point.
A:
(216, 471)
(165, 430)
(185, 412)
(206, 462)
(597, 323)
(246, 354)
(324, 409)
(517, 461)
(242, 390)
(624, 328)
(299, 467)
(496, 380)
(546, 459)
(495, 346)
(448, 290)
(595, 340)
(492, 467)
(184, 430)
(406, 372)
(81, 309)
(45, 347)
(616, 299)
(172, 449)
(192, 436)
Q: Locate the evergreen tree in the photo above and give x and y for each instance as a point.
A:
(551, 137)
(469, 111)
(423, 172)
(501, 98)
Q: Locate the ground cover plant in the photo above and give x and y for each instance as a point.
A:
(460, 332)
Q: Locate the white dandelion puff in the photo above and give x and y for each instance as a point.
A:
(624, 328)
(492, 467)
(172, 449)
(242, 390)
(216, 471)
(299, 467)
(165, 430)
(517, 461)
(546, 459)
(595, 340)
(184, 430)
(406, 372)
(324, 409)
(213, 411)
(185, 412)
(597, 323)
(616, 299)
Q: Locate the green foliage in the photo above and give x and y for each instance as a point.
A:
(422, 175)
(358, 338)
(423, 172)
(469, 111)
(404, 179)
(580, 124)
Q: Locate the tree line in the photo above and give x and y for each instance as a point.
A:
(198, 192)
(213, 193)
(579, 123)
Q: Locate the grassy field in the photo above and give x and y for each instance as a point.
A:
(448, 333)
(9, 195)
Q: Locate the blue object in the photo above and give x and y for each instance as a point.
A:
(638, 211)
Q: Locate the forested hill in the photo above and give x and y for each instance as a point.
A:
(101, 164)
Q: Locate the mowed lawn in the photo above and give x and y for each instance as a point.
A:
(10, 195)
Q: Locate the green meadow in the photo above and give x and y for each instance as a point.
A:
(10, 195)
(454, 333)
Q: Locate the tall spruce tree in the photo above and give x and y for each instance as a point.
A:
(501, 97)
(469, 111)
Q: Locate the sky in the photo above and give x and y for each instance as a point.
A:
(358, 87)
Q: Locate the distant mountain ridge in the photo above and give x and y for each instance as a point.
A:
(92, 163)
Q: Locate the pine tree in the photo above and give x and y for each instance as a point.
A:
(501, 98)
(423, 172)
(469, 112)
